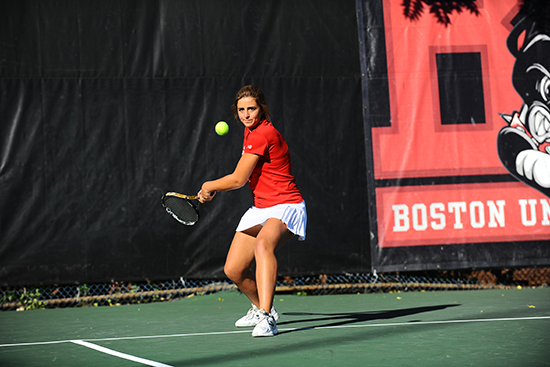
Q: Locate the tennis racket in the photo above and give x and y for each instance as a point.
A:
(181, 207)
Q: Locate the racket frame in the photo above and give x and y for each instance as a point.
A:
(188, 198)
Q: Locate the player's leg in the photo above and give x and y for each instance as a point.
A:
(272, 236)
(239, 260)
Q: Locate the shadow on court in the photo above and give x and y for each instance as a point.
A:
(342, 319)
(304, 342)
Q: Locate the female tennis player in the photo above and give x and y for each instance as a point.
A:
(278, 213)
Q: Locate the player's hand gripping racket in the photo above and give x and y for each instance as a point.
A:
(181, 207)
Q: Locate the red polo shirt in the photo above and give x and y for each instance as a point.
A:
(271, 182)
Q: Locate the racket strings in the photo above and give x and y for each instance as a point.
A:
(182, 210)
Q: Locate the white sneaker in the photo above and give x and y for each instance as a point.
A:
(252, 317)
(266, 326)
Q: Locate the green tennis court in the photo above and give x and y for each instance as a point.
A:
(451, 328)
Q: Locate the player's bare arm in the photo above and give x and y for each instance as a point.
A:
(232, 181)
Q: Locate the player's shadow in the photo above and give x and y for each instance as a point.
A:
(237, 356)
(321, 320)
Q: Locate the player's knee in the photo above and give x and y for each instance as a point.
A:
(228, 270)
(233, 273)
(264, 248)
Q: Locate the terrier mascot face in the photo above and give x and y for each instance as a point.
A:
(524, 145)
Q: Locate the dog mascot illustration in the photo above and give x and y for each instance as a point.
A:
(524, 144)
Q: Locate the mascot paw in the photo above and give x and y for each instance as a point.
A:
(535, 166)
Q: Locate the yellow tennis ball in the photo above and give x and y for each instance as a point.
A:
(222, 128)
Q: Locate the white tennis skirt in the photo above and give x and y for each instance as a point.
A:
(293, 215)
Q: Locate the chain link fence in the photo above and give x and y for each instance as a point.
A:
(117, 293)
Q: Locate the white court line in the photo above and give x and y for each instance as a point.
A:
(410, 323)
(437, 322)
(120, 355)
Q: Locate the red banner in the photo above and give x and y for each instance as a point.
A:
(457, 113)
(467, 213)
(417, 144)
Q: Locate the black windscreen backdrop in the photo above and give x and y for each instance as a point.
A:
(106, 105)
